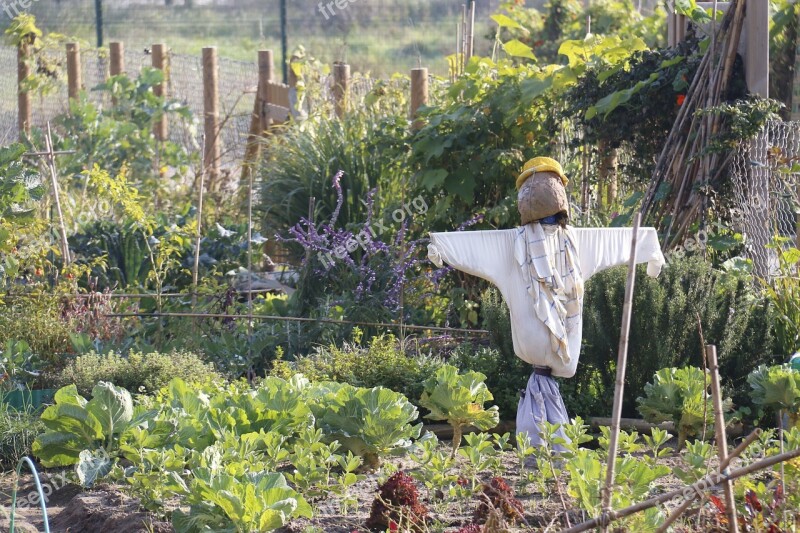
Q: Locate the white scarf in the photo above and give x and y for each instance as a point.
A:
(557, 295)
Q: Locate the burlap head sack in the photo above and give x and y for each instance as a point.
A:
(540, 196)
(541, 190)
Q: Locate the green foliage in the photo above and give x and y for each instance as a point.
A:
(680, 395)
(365, 146)
(253, 502)
(371, 423)
(143, 372)
(38, 320)
(777, 388)
(18, 429)
(88, 433)
(121, 137)
(783, 294)
(381, 363)
(664, 328)
(459, 399)
(19, 364)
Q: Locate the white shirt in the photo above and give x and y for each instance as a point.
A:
(490, 255)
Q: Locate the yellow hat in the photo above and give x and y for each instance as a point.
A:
(541, 164)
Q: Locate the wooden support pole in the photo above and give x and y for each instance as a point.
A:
(341, 87)
(117, 52)
(471, 30)
(722, 466)
(74, 81)
(211, 116)
(159, 52)
(622, 361)
(419, 94)
(722, 438)
(23, 96)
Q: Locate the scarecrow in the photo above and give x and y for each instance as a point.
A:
(540, 268)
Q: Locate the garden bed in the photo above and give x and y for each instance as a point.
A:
(106, 508)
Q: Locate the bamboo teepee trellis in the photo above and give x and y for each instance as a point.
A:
(686, 171)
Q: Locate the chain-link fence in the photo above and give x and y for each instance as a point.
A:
(765, 177)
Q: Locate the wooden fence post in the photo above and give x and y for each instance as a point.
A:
(117, 51)
(74, 81)
(211, 115)
(419, 94)
(253, 148)
(159, 52)
(23, 97)
(341, 88)
(266, 73)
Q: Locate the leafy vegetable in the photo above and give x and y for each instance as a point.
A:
(777, 387)
(459, 399)
(88, 434)
(680, 395)
(368, 422)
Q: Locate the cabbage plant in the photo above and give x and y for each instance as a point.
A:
(680, 395)
(777, 387)
(459, 399)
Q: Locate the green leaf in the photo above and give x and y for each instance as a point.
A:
(506, 22)
(112, 406)
(516, 48)
(92, 465)
(433, 178)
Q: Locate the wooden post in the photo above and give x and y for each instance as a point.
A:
(159, 52)
(722, 438)
(471, 30)
(756, 67)
(117, 52)
(253, 148)
(73, 70)
(419, 94)
(622, 361)
(23, 96)
(341, 87)
(266, 74)
(211, 116)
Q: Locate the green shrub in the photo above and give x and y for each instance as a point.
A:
(665, 331)
(136, 372)
(18, 429)
(381, 363)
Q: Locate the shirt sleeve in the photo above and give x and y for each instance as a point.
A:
(486, 254)
(602, 248)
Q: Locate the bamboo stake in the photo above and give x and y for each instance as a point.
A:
(689, 491)
(51, 165)
(622, 358)
(471, 23)
(198, 237)
(722, 466)
(722, 439)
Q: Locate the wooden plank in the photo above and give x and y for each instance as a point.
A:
(279, 94)
(278, 114)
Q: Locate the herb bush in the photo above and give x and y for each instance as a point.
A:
(137, 372)
(40, 322)
(665, 331)
(382, 362)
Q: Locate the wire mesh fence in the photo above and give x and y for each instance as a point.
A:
(238, 81)
(765, 177)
